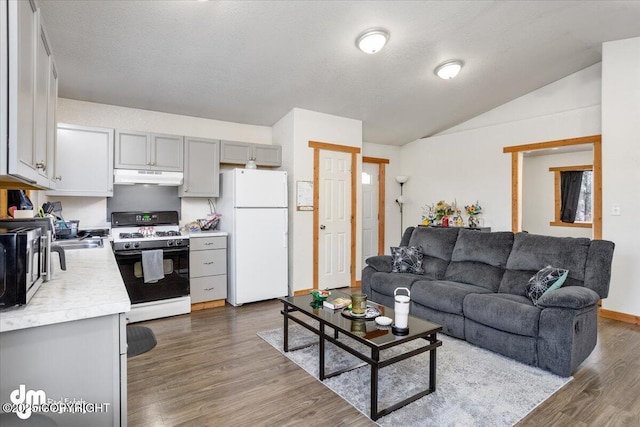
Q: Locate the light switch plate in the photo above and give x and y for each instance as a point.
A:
(615, 210)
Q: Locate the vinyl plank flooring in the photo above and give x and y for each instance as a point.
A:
(210, 368)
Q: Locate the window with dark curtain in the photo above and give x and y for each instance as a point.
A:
(570, 183)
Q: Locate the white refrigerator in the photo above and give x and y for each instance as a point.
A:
(253, 204)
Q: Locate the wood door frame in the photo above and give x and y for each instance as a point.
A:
(317, 146)
(516, 177)
(381, 197)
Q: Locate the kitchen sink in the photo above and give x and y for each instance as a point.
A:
(80, 244)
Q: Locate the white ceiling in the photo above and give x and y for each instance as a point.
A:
(253, 61)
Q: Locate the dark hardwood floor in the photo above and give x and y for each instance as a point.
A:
(211, 369)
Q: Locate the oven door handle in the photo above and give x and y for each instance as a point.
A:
(137, 252)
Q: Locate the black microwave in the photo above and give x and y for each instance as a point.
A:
(22, 264)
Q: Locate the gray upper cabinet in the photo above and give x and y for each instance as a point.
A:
(27, 103)
(46, 94)
(167, 152)
(239, 153)
(149, 151)
(84, 161)
(201, 168)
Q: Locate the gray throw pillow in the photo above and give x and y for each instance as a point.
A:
(407, 259)
(545, 280)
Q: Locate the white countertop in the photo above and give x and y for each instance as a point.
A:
(90, 287)
(196, 234)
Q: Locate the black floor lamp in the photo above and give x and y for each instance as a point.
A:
(401, 179)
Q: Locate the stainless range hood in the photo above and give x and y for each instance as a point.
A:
(132, 176)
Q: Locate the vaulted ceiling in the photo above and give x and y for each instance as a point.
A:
(253, 61)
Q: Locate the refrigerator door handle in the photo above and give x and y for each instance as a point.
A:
(284, 191)
(285, 235)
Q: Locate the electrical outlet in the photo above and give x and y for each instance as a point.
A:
(615, 210)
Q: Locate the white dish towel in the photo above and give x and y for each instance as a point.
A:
(152, 265)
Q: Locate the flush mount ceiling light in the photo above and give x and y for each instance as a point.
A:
(448, 70)
(372, 40)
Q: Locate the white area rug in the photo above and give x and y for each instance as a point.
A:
(474, 387)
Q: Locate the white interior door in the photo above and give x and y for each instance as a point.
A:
(369, 210)
(334, 244)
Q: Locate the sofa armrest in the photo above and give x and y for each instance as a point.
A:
(381, 263)
(574, 297)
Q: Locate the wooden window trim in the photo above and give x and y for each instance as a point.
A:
(558, 196)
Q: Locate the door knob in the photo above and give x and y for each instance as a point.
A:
(322, 227)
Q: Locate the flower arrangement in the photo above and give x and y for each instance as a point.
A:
(473, 209)
(428, 213)
(443, 209)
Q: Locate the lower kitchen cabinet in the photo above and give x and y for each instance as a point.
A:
(82, 361)
(208, 267)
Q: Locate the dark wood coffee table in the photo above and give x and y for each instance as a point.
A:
(374, 338)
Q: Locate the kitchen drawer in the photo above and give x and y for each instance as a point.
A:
(207, 263)
(208, 288)
(204, 243)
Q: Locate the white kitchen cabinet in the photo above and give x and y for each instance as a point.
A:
(201, 168)
(237, 152)
(44, 108)
(27, 62)
(149, 151)
(207, 267)
(52, 125)
(84, 161)
(23, 22)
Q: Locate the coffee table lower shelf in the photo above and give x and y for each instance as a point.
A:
(373, 360)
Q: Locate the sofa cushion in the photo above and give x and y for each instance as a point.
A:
(510, 313)
(437, 246)
(443, 295)
(545, 280)
(407, 259)
(386, 283)
(533, 252)
(573, 297)
(487, 248)
(380, 263)
(434, 268)
(475, 273)
(597, 274)
(478, 258)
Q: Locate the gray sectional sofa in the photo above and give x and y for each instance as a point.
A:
(474, 285)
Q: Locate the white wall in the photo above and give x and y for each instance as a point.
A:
(293, 132)
(91, 211)
(470, 166)
(392, 190)
(620, 162)
(283, 134)
(538, 204)
(467, 163)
